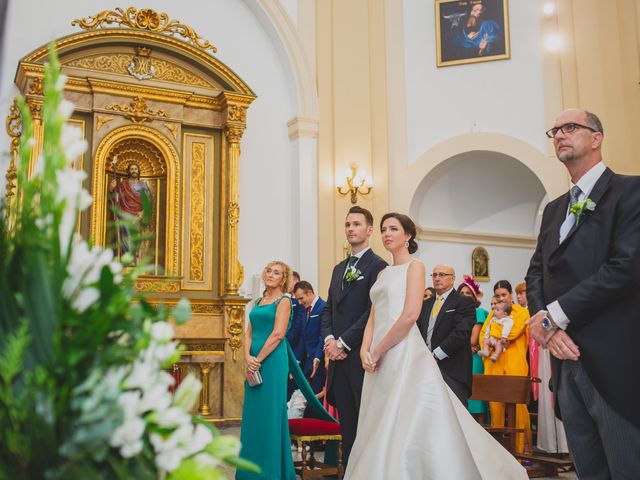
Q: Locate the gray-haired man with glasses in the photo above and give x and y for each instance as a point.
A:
(583, 284)
(445, 323)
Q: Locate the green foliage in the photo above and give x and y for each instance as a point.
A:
(70, 319)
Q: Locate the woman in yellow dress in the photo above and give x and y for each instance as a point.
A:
(513, 361)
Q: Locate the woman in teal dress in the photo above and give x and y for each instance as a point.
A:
(265, 428)
(469, 288)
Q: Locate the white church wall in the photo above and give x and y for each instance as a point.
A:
(500, 96)
(505, 263)
(245, 46)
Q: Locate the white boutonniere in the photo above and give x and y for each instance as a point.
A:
(578, 210)
(352, 274)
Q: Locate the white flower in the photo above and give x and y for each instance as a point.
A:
(142, 376)
(156, 398)
(129, 402)
(86, 298)
(161, 332)
(187, 393)
(66, 108)
(75, 198)
(62, 81)
(200, 438)
(72, 142)
(171, 418)
(128, 437)
(84, 268)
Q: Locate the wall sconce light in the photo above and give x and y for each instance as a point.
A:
(355, 185)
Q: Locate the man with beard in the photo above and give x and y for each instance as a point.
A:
(477, 36)
(131, 196)
(343, 320)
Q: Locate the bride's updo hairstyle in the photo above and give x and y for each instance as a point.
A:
(407, 225)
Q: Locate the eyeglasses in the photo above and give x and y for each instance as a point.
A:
(441, 275)
(567, 128)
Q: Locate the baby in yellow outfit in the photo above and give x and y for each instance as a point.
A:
(498, 330)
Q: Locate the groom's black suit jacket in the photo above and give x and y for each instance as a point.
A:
(594, 274)
(346, 313)
(452, 333)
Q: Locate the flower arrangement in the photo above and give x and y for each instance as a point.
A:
(579, 209)
(352, 274)
(83, 391)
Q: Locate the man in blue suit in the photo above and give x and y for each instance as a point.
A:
(306, 333)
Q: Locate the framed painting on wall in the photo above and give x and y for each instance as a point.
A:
(471, 31)
(480, 264)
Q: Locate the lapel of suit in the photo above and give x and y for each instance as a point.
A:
(362, 265)
(559, 215)
(596, 194)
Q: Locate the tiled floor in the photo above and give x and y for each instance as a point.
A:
(236, 431)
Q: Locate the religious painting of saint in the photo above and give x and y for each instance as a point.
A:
(470, 31)
(480, 264)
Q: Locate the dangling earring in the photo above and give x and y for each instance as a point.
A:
(406, 244)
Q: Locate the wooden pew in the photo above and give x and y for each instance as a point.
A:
(510, 390)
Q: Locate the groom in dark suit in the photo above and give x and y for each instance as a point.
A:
(445, 322)
(583, 284)
(343, 320)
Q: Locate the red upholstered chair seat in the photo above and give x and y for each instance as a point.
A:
(313, 427)
(307, 432)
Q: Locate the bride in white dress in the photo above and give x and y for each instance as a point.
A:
(411, 425)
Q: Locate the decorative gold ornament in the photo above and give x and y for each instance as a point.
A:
(36, 86)
(158, 285)
(236, 327)
(14, 130)
(173, 128)
(196, 229)
(120, 63)
(101, 120)
(137, 111)
(141, 66)
(354, 185)
(237, 113)
(35, 107)
(201, 345)
(233, 213)
(144, 19)
(207, 309)
(234, 133)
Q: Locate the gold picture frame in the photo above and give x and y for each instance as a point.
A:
(471, 31)
(480, 264)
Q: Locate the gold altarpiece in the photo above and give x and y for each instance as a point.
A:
(148, 90)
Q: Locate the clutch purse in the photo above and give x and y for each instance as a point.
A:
(254, 378)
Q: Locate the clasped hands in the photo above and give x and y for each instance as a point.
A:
(556, 340)
(332, 351)
(370, 361)
(253, 364)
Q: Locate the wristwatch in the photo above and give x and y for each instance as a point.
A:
(339, 344)
(547, 324)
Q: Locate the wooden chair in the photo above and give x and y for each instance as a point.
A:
(306, 432)
(510, 390)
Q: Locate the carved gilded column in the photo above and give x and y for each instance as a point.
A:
(234, 273)
(205, 369)
(235, 319)
(34, 102)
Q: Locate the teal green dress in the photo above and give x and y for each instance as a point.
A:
(265, 427)
(478, 406)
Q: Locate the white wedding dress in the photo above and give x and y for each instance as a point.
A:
(411, 425)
